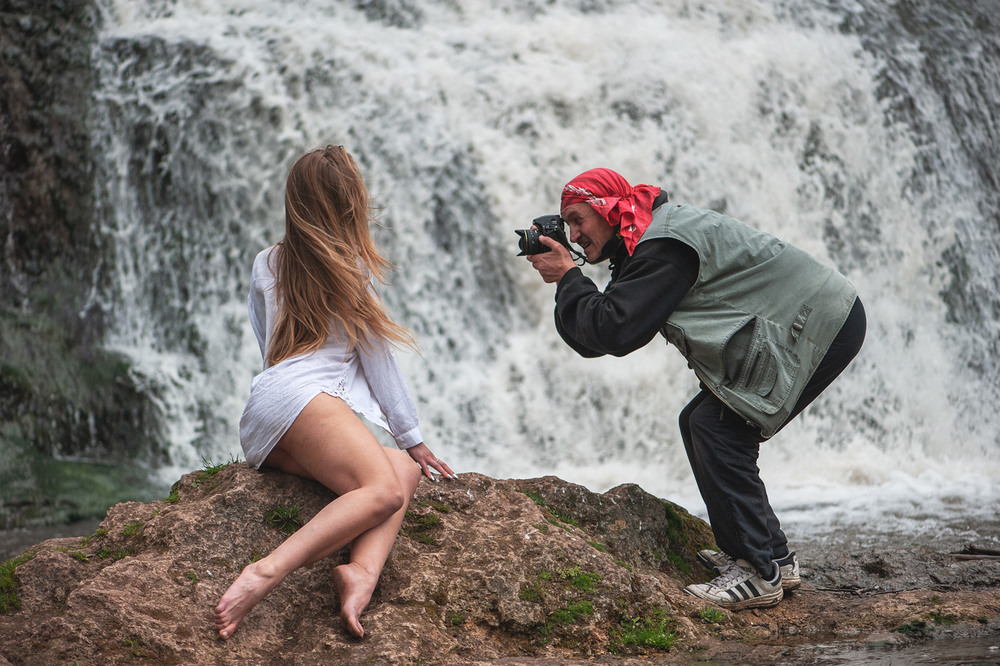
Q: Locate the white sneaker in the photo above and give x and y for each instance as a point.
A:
(717, 561)
(739, 587)
(789, 565)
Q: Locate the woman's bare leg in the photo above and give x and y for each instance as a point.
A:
(356, 580)
(330, 444)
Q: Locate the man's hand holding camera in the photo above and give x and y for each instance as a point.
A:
(554, 264)
(547, 247)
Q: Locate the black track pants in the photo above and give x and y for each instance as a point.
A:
(723, 450)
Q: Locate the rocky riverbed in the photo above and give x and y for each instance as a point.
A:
(508, 571)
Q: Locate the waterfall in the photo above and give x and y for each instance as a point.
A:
(860, 132)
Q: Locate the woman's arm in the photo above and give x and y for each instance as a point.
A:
(385, 379)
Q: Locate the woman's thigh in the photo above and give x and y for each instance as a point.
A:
(330, 444)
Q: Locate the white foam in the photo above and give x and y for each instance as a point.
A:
(723, 105)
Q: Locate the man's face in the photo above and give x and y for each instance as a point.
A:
(587, 229)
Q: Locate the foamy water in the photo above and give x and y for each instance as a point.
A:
(467, 118)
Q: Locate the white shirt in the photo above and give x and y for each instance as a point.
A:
(370, 383)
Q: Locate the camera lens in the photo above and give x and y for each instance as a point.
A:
(527, 238)
(528, 243)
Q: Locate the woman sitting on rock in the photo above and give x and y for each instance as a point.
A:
(326, 341)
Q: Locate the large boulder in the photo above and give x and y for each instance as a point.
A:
(483, 569)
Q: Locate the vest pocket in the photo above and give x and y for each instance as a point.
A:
(675, 336)
(763, 373)
(769, 369)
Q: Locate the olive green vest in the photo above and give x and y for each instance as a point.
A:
(759, 318)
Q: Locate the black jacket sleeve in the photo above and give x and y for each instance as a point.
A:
(635, 304)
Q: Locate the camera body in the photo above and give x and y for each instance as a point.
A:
(547, 225)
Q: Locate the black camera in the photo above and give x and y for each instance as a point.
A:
(548, 225)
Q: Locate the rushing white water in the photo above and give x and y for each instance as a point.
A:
(467, 117)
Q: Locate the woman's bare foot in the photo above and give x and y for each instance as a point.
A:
(355, 586)
(253, 584)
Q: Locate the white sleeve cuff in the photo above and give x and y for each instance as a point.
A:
(409, 438)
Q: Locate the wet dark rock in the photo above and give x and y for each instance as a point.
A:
(62, 395)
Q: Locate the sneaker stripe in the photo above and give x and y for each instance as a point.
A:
(753, 589)
(732, 593)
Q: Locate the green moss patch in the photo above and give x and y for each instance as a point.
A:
(531, 592)
(285, 518)
(418, 526)
(640, 634)
(572, 613)
(9, 600)
(535, 497)
(584, 581)
(131, 529)
(915, 629)
(711, 615)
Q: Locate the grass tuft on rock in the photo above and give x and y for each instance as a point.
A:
(210, 469)
(711, 615)
(9, 601)
(585, 581)
(649, 632)
(572, 613)
(285, 518)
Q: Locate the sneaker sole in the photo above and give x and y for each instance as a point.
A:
(765, 601)
(754, 602)
(790, 584)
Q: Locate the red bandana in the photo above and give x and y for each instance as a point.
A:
(624, 206)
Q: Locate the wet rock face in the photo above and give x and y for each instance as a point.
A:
(62, 396)
(46, 184)
(483, 569)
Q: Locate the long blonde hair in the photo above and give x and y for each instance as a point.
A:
(325, 263)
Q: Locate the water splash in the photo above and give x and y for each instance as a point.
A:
(816, 123)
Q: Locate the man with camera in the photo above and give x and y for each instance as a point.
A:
(765, 326)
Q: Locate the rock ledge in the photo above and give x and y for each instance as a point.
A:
(517, 571)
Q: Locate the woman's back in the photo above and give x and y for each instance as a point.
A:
(327, 260)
